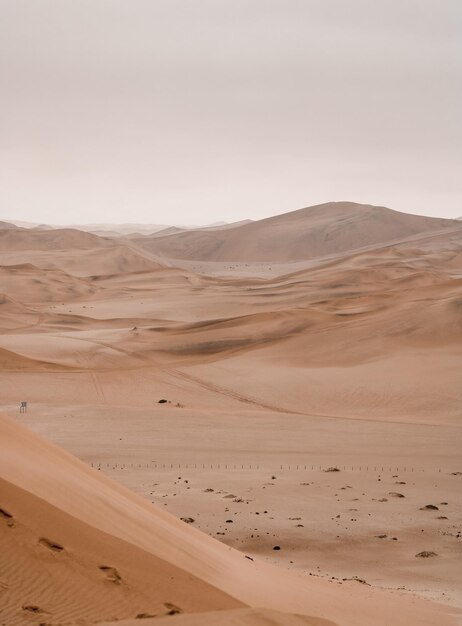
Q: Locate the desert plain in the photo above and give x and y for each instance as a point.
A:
(248, 424)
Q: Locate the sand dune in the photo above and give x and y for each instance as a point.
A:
(336, 227)
(30, 284)
(379, 306)
(75, 252)
(7, 226)
(14, 314)
(88, 548)
(30, 239)
(233, 617)
(144, 370)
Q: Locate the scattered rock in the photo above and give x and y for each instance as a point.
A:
(162, 401)
(188, 520)
(429, 507)
(229, 521)
(396, 494)
(426, 554)
(144, 615)
(276, 547)
(248, 557)
(332, 469)
(381, 536)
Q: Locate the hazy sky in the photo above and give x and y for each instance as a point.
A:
(193, 111)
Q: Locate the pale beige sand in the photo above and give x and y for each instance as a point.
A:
(351, 361)
(55, 510)
(234, 617)
(74, 252)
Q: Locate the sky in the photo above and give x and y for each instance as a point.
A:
(197, 111)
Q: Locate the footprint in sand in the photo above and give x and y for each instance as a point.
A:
(51, 545)
(7, 517)
(32, 608)
(112, 575)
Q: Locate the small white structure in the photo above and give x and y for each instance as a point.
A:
(23, 407)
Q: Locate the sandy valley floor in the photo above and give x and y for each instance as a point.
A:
(312, 418)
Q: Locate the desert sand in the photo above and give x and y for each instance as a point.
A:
(268, 431)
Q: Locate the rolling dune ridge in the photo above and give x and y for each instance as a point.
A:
(287, 389)
(335, 227)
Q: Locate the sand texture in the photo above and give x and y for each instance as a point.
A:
(263, 430)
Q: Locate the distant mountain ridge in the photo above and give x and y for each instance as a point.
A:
(8, 226)
(330, 228)
(118, 230)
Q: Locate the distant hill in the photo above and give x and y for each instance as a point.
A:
(73, 251)
(331, 228)
(35, 239)
(8, 226)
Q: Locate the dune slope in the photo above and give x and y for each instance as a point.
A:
(66, 529)
(73, 251)
(331, 228)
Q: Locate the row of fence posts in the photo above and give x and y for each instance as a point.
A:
(243, 466)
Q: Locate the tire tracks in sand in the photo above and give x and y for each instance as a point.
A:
(224, 391)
